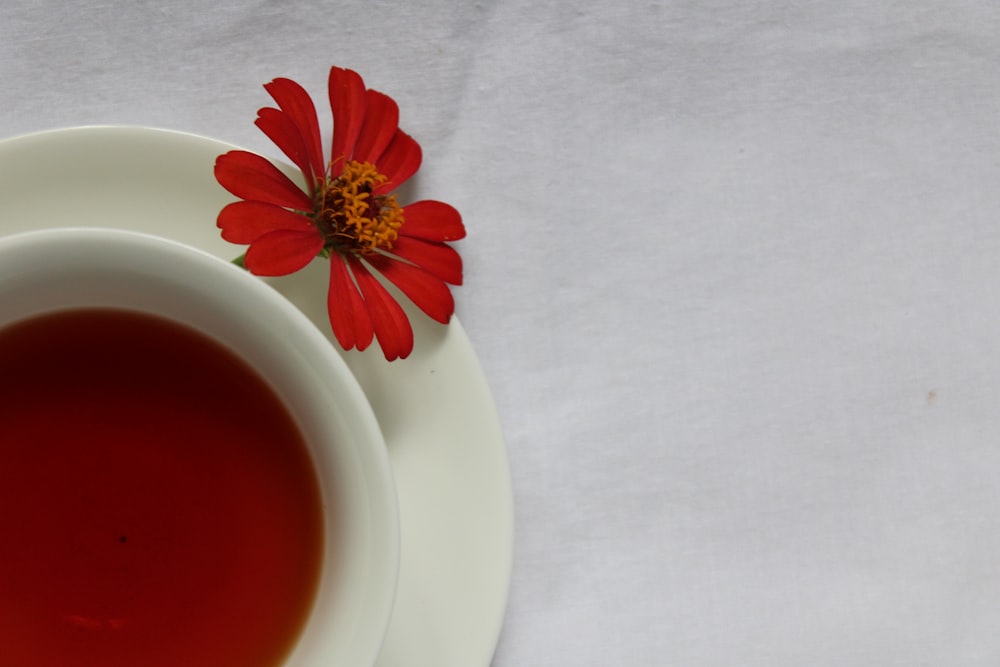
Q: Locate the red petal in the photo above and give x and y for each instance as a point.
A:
(437, 259)
(246, 221)
(381, 122)
(400, 160)
(432, 221)
(347, 101)
(426, 291)
(349, 318)
(391, 326)
(249, 176)
(295, 101)
(280, 129)
(282, 252)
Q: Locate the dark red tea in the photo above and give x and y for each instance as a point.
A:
(158, 506)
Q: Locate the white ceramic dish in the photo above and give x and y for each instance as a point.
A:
(435, 409)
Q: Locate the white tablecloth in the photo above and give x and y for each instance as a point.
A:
(731, 274)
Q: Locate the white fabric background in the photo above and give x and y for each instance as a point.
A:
(731, 275)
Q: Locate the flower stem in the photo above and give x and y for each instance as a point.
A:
(239, 261)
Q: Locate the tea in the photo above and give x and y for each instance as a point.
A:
(158, 505)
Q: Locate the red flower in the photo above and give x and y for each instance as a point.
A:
(346, 212)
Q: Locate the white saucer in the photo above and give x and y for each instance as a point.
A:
(434, 408)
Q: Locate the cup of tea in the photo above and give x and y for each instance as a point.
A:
(189, 473)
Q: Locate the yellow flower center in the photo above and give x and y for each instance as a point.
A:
(350, 218)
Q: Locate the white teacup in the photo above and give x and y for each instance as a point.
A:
(62, 269)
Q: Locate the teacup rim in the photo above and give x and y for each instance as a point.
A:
(361, 410)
